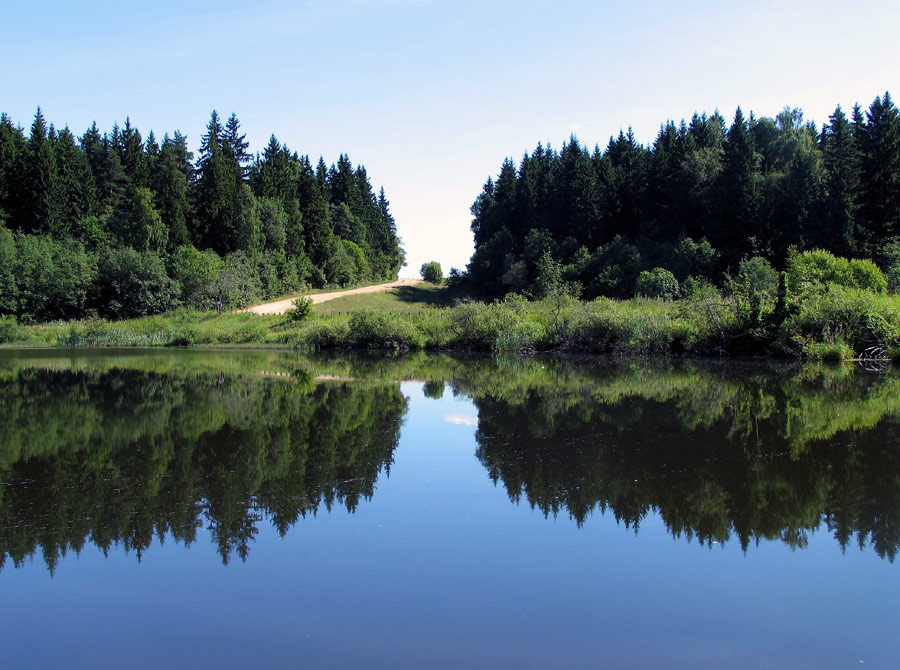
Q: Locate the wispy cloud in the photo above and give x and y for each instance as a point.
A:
(461, 420)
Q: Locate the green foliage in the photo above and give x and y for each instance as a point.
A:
(137, 224)
(754, 188)
(199, 274)
(302, 309)
(811, 272)
(499, 326)
(858, 318)
(292, 223)
(133, 283)
(53, 279)
(9, 328)
(755, 290)
(9, 290)
(431, 272)
(239, 284)
(657, 283)
(367, 329)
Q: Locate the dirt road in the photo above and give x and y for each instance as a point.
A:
(281, 306)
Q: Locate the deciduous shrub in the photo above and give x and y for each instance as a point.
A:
(812, 271)
(431, 272)
(302, 309)
(133, 283)
(657, 283)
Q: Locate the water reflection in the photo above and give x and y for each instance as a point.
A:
(120, 456)
(117, 451)
(717, 451)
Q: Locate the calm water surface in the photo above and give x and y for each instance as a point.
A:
(237, 509)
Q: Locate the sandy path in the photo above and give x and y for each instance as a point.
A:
(281, 306)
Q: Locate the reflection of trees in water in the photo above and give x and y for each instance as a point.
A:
(120, 457)
(716, 455)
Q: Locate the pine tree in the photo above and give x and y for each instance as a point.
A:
(171, 181)
(235, 145)
(738, 192)
(36, 179)
(880, 171)
(224, 222)
(73, 194)
(12, 148)
(130, 150)
(841, 160)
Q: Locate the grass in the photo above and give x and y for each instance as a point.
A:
(406, 299)
(838, 325)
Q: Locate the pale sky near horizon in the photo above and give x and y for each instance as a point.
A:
(431, 96)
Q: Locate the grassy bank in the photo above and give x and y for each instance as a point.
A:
(835, 323)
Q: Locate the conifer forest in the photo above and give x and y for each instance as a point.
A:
(690, 207)
(116, 225)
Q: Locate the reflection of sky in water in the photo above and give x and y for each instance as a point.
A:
(440, 569)
(460, 420)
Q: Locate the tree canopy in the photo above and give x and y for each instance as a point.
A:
(703, 196)
(271, 218)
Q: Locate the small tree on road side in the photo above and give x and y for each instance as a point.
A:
(431, 272)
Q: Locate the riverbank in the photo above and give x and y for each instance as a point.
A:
(836, 323)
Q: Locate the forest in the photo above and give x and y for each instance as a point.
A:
(117, 225)
(690, 207)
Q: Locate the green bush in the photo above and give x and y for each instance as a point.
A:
(302, 309)
(373, 329)
(239, 284)
(812, 271)
(755, 290)
(9, 328)
(640, 328)
(499, 326)
(431, 272)
(860, 318)
(199, 273)
(133, 283)
(657, 283)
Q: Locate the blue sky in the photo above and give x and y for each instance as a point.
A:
(431, 96)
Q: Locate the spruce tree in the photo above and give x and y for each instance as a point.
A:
(880, 171)
(738, 193)
(73, 196)
(171, 181)
(841, 161)
(36, 179)
(12, 149)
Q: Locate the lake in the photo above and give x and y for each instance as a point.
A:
(251, 508)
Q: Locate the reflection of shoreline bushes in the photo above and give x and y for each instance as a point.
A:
(224, 439)
(752, 458)
(749, 451)
(121, 456)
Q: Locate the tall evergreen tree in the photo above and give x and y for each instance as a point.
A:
(737, 220)
(171, 182)
(36, 179)
(12, 148)
(880, 171)
(842, 181)
(224, 204)
(130, 150)
(73, 196)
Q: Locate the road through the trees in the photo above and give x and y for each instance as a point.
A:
(281, 306)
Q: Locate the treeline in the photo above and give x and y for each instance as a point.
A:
(117, 225)
(701, 198)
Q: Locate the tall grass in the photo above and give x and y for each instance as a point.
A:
(840, 323)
